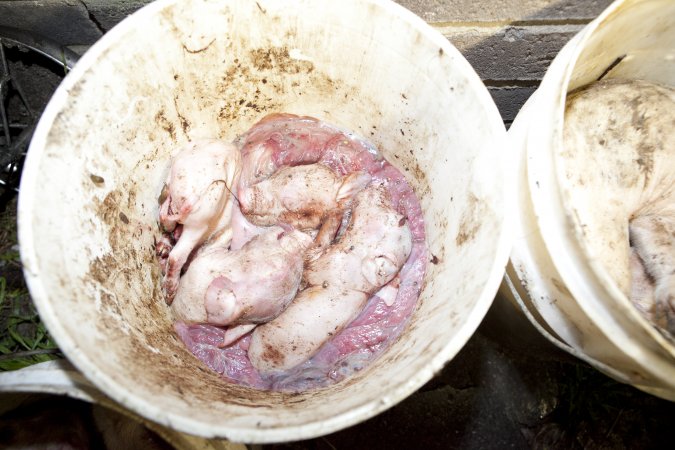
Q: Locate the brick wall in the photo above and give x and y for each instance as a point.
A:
(510, 43)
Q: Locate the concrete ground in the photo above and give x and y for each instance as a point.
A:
(507, 388)
(510, 388)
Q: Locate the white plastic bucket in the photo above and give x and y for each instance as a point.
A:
(555, 271)
(179, 70)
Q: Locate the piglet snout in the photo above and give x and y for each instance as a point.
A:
(220, 302)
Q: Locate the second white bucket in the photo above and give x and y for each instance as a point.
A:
(554, 274)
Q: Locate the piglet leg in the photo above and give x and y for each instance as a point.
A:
(195, 227)
(329, 228)
(233, 334)
(389, 291)
(163, 248)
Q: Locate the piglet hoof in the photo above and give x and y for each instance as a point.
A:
(169, 286)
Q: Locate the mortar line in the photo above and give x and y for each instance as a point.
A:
(523, 83)
(512, 23)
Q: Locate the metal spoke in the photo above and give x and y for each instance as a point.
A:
(17, 118)
(4, 89)
(5, 124)
(17, 148)
(19, 90)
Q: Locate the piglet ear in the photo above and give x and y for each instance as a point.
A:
(352, 185)
(167, 219)
(220, 302)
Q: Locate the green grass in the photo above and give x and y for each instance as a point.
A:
(24, 340)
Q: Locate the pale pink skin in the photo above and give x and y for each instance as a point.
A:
(369, 255)
(243, 287)
(652, 237)
(286, 140)
(198, 203)
(299, 195)
(280, 140)
(242, 230)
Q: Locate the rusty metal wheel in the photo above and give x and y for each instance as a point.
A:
(31, 67)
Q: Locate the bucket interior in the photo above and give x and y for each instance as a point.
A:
(181, 70)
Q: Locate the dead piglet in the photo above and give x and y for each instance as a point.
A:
(198, 202)
(652, 238)
(299, 195)
(242, 229)
(281, 139)
(375, 246)
(243, 287)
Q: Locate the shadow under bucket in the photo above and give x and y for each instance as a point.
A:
(180, 70)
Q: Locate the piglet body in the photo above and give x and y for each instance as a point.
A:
(299, 195)
(246, 286)
(340, 281)
(652, 236)
(197, 202)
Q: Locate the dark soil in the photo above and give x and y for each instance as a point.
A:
(52, 422)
